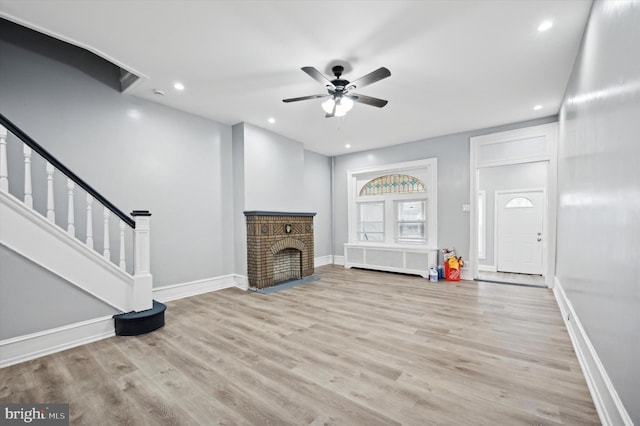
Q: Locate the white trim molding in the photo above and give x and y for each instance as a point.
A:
(193, 288)
(35, 345)
(323, 260)
(487, 268)
(241, 281)
(536, 143)
(608, 404)
(338, 260)
(29, 234)
(425, 169)
(465, 274)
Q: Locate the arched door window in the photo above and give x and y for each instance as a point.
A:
(518, 203)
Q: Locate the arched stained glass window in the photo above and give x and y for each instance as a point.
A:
(519, 202)
(392, 184)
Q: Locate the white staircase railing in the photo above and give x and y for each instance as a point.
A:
(129, 231)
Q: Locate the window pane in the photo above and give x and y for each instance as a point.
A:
(371, 221)
(411, 231)
(411, 211)
(371, 212)
(519, 202)
(372, 227)
(369, 236)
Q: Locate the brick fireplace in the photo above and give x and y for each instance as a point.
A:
(279, 247)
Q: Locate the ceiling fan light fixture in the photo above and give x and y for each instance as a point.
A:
(345, 103)
(337, 106)
(327, 105)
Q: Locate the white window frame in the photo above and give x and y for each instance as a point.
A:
(426, 170)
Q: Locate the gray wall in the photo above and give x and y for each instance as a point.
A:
(599, 192)
(138, 154)
(452, 152)
(274, 173)
(317, 191)
(239, 228)
(516, 176)
(30, 298)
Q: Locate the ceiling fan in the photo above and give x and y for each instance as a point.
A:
(340, 91)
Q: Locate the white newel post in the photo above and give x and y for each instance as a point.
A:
(89, 221)
(28, 191)
(71, 229)
(123, 264)
(4, 170)
(106, 252)
(51, 211)
(142, 278)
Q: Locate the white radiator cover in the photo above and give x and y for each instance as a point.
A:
(393, 258)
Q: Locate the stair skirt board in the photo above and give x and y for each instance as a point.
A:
(136, 323)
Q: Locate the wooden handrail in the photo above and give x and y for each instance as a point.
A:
(61, 167)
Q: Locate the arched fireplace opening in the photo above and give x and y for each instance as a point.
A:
(287, 265)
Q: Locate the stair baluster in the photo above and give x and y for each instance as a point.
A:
(123, 264)
(51, 210)
(28, 191)
(4, 170)
(106, 252)
(89, 221)
(71, 229)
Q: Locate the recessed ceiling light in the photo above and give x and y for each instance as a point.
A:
(537, 107)
(271, 120)
(347, 146)
(133, 113)
(178, 86)
(545, 25)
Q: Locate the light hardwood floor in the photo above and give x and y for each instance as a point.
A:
(355, 348)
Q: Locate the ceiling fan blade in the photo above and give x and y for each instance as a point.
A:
(318, 76)
(304, 98)
(368, 100)
(370, 78)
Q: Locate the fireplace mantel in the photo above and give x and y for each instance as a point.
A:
(269, 213)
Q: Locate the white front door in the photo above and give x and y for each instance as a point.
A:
(520, 229)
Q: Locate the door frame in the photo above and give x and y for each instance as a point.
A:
(544, 222)
(540, 143)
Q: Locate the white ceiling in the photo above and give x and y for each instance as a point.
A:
(456, 65)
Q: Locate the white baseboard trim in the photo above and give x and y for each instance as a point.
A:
(241, 281)
(30, 346)
(465, 274)
(338, 260)
(193, 288)
(323, 260)
(487, 268)
(606, 399)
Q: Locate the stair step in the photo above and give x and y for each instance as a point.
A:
(136, 323)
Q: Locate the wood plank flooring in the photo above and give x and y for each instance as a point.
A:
(355, 348)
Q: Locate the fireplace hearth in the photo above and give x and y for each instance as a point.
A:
(279, 247)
